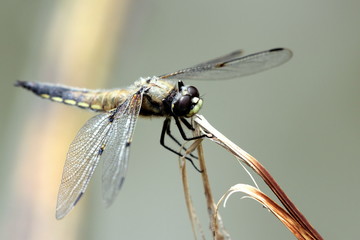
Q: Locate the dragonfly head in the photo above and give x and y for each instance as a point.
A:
(186, 102)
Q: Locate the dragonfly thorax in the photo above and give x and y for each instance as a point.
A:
(186, 102)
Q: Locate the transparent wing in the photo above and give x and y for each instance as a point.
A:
(107, 136)
(81, 161)
(231, 66)
(225, 58)
(116, 152)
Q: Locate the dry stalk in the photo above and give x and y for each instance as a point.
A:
(216, 225)
(195, 224)
(205, 128)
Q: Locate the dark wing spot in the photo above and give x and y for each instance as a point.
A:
(101, 150)
(276, 49)
(220, 65)
(78, 198)
(121, 182)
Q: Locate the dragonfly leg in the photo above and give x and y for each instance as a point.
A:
(189, 126)
(166, 130)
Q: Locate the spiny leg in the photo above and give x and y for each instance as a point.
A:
(168, 132)
(189, 126)
(164, 131)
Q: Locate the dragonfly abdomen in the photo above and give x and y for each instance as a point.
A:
(100, 100)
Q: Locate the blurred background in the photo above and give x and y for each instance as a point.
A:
(301, 120)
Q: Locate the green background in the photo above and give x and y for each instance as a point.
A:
(301, 120)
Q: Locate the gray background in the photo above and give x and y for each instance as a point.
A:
(301, 120)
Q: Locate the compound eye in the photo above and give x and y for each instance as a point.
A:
(182, 106)
(193, 91)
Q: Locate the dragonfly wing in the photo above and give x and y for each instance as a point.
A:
(225, 58)
(81, 161)
(116, 153)
(227, 68)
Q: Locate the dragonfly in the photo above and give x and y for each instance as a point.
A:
(108, 135)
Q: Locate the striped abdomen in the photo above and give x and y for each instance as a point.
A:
(96, 100)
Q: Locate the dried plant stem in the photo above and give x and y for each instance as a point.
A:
(272, 206)
(195, 225)
(216, 225)
(240, 154)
